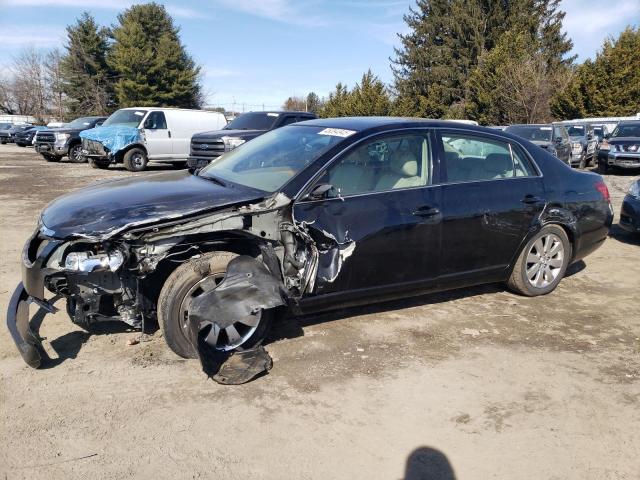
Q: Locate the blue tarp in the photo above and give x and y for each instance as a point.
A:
(114, 138)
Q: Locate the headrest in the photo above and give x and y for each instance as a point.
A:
(404, 164)
(451, 156)
(498, 163)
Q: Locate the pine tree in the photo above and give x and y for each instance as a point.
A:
(607, 86)
(85, 75)
(448, 38)
(153, 66)
(314, 104)
(370, 97)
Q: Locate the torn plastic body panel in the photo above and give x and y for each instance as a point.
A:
(112, 138)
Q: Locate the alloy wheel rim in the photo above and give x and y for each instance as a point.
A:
(544, 260)
(226, 338)
(137, 160)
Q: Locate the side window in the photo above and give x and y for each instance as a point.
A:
(521, 163)
(386, 163)
(156, 121)
(470, 158)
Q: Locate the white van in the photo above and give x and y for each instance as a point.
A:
(135, 136)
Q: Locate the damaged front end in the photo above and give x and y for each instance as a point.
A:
(118, 276)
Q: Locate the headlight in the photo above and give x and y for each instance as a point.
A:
(634, 190)
(62, 136)
(233, 142)
(89, 262)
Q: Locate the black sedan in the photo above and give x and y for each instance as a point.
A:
(312, 216)
(630, 212)
(25, 137)
(8, 135)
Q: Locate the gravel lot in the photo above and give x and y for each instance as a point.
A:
(479, 381)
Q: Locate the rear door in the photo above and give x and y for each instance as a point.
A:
(379, 227)
(491, 195)
(157, 136)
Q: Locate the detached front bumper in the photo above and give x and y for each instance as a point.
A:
(27, 341)
(623, 159)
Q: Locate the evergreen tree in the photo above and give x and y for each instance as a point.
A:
(153, 66)
(448, 38)
(607, 86)
(85, 76)
(313, 103)
(370, 97)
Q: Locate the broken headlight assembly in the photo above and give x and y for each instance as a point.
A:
(87, 262)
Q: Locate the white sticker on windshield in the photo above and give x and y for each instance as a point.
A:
(337, 132)
(140, 114)
(273, 114)
(546, 128)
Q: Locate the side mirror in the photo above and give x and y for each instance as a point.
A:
(607, 136)
(590, 135)
(558, 139)
(319, 191)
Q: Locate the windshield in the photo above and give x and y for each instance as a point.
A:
(253, 121)
(81, 122)
(631, 130)
(269, 161)
(576, 130)
(530, 132)
(129, 118)
(4, 126)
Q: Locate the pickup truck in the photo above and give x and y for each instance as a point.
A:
(208, 146)
(55, 143)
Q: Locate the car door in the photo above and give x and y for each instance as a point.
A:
(561, 143)
(378, 227)
(157, 135)
(491, 195)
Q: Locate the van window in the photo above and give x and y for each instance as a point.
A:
(130, 118)
(156, 121)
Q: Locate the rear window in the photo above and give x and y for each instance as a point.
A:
(576, 130)
(253, 121)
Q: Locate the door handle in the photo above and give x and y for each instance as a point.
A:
(169, 133)
(531, 199)
(426, 212)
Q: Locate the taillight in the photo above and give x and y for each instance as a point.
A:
(604, 191)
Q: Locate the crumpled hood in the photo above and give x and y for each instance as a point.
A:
(113, 137)
(112, 206)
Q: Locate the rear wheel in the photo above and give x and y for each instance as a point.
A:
(21, 144)
(135, 160)
(542, 262)
(185, 284)
(75, 154)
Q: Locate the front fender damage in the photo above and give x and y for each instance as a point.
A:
(248, 289)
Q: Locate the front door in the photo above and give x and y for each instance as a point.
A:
(491, 196)
(378, 227)
(157, 136)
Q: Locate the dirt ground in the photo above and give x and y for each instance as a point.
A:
(473, 384)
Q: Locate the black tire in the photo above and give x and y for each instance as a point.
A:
(519, 281)
(21, 144)
(71, 311)
(135, 160)
(175, 290)
(75, 154)
(3, 142)
(101, 164)
(51, 158)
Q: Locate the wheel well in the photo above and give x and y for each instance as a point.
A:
(120, 155)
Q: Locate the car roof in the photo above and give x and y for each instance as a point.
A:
(629, 122)
(530, 125)
(365, 123)
(281, 112)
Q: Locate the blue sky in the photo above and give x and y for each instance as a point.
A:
(261, 52)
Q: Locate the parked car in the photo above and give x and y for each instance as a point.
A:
(56, 143)
(136, 136)
(583, 144)
(25, 137)
(622, 147)
(4, 132)
(630, 211)
(8, 135)
(207, 146)
(553, 138)
(312, 216)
